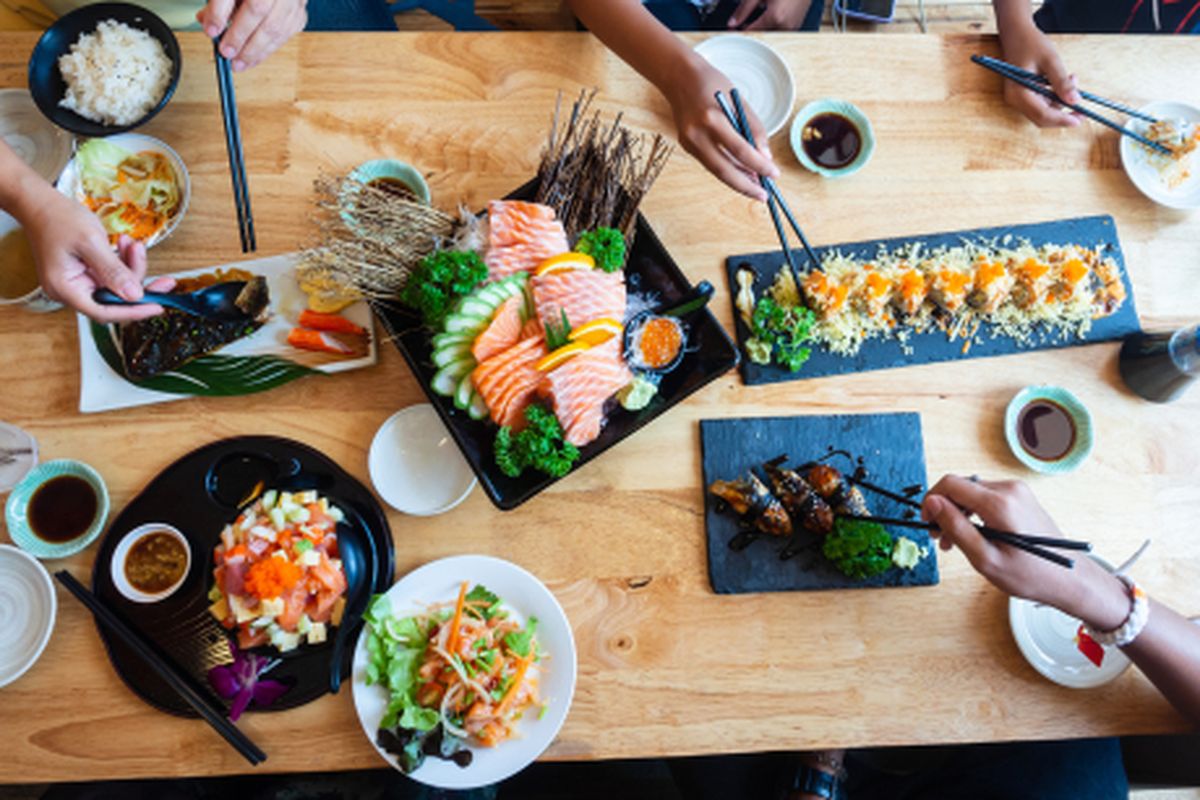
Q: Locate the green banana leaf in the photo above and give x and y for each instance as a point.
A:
(210, 375)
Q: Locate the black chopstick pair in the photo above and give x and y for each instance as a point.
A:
(233, 145)
(212, 713)
(775, 201)
(1039, 83)
(1032, 544)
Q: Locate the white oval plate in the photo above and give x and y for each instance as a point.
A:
(27, 609)
(415, 466)
(760, 74)
(71, 184)
(1139, 162)
(525, 596)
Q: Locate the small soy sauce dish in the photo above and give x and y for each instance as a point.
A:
(1048, 429)
(832, 138)
(58, 509)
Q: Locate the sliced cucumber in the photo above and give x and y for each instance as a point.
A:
(466, 323)
(446, 339)
(444, 356)
(493, 294)
(445, 380)
(477, 307)
(478, 408)
(462, 394)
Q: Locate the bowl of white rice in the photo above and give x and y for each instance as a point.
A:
(104, 69)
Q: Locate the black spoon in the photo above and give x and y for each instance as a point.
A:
(214, 302)
(690, 303)
(358, 554)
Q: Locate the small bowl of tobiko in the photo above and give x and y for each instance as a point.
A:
(151, 562)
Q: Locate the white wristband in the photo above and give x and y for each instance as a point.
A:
(1139, 615)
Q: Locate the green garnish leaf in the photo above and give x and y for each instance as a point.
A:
(540, 445)
(859, 549)
(606, 246)
(781, 330)
(439, 280)
(521, 642)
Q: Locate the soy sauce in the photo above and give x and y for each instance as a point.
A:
(1045, 430)
(62, 509)
(831, 140)
(1160, 366)
(394, 187)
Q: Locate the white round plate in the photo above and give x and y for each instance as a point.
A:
(38, 142)
(1139, 162)
(760, 74)
(1046, 637)
(71, 185)
(416, 466)
(525, 596)
(27, 609)
(13, 438)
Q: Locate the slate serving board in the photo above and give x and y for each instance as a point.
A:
(891, 448)
(934, 346)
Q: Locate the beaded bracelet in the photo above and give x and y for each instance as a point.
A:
(1139, 615)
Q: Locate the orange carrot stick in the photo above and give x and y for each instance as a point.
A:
(452, 641)
(516, 683)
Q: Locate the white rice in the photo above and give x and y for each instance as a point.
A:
(116, 75)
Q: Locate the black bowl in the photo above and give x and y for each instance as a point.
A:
(46, 83)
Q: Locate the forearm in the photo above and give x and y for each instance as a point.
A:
(640, 40)
(1168, 652)
(1012, 15)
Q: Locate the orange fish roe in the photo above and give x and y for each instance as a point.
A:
(660, 342)
(272, 577)
(1074, 271)
(988, 273)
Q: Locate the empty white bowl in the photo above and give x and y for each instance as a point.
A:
(760, 74)
(27, 609)
(416, 466)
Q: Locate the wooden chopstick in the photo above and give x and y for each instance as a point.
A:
(233, 146)
(1092, 115)
(1042, 79)
(1020, 541)
(213, 715)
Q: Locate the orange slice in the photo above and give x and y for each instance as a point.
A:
(560, 356)
(596, 332)
(564, 262)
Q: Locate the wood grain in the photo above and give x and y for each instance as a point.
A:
(666, 666)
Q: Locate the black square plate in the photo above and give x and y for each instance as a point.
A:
(650, 268)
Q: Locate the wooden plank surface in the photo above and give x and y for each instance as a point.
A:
(666, 666)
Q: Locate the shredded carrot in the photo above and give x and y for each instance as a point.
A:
(452, 641)
(516, 683)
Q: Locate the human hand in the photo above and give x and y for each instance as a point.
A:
(1027, 47)
(778, 15)
(706, 133)
(74, 258)
(253, 29)
(1087, 591)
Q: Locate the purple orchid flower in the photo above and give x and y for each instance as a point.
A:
(242, 681)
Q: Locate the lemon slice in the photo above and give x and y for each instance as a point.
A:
(561, 356)
(564, 262)
(596, 332)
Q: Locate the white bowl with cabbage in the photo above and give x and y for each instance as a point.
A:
(136, 184)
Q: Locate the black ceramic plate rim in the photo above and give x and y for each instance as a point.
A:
(70, 120)
(384, 569)
(461, 437)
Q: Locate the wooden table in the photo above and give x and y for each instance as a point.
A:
(665, 666)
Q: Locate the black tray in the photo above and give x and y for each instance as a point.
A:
(891, 449)
(933, 346)
(199, 495)
(710, 354)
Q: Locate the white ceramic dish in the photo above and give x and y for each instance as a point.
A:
(28, 607)
(1046, 637)
(70, 184)
(415, 466)
(1139, 166)
(13, 438)
(526, 597)
(38, 142)
(760, 74)
(103, 389)
(117, 568)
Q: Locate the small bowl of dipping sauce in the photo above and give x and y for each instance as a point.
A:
(58, 509)
(151, 562)
(1048, 429)
(832, 138)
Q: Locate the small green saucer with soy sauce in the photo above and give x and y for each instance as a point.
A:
(1048, 429)
(58, 509)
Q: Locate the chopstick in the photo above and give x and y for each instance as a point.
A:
(233, 146)
(775, 201)
(1006, 71)
(1042, 79)
(146, 651)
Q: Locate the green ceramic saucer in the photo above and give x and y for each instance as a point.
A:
(1085, 436)
(16, 510)
(850, 112)
(407, 174)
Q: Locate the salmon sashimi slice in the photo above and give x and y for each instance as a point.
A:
(518, 394)
(532, 327)
(505, 215)
(490, 375)
(579, 388)
(294, 604)
(521, 236)
(502, 332)
(583, 294)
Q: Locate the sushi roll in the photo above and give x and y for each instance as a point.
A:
(843, 496)
(909, 291)
(948, 287)
(824, 295)
(991, 286)
(1110, 289)
(1068, 277)
(874, 292)
(755, 504)
(805, 507)
(1032, 280)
